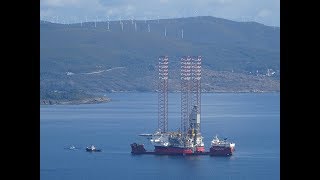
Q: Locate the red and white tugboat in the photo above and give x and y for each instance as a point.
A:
(221, 147)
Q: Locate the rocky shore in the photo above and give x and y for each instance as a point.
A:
(94, 100)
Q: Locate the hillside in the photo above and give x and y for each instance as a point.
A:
(236, 55)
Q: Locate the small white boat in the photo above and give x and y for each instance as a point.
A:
(71, 147)
(92, 148)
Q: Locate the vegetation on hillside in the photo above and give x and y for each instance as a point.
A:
(76, 60)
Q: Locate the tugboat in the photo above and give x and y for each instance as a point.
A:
(137, 148)
(221, 147)
(92, 149)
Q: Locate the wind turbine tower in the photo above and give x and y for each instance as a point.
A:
(135, 26)
(181, 33)
(121, 26)
(165, 32)
(108, 22)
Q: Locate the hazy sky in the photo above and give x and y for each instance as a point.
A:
(263, 11)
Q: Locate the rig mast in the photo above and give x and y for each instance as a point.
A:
(163, 94)
(191, 99)
(196, 88)
(185, 93)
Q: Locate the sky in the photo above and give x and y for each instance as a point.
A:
(69, 11)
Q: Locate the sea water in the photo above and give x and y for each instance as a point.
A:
(250, 120)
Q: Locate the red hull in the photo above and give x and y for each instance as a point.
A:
(172, 150)
(221, 151)
(200, 149)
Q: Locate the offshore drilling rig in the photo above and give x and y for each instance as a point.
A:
(188, 140)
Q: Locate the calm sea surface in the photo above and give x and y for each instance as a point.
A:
(252, 121)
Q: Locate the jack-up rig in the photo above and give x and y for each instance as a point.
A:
(188, 140)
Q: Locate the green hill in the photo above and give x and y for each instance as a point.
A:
(94, 59)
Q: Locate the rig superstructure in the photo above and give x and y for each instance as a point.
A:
(188, 140)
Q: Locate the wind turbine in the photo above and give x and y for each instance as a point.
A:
(108, 22)
(165, 32)
(75, 19)
(131, 19)
(95, 22)
(122, 26)
(181, 33)
(135, 26)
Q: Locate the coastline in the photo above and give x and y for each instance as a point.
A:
(95, 100)
(103, 99)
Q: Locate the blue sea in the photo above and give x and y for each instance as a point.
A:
(251, 120)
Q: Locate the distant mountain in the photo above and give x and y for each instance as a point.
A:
(236, 55)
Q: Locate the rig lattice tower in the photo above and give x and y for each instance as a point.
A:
(196, 87)
(185, 73)
(163, 94)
